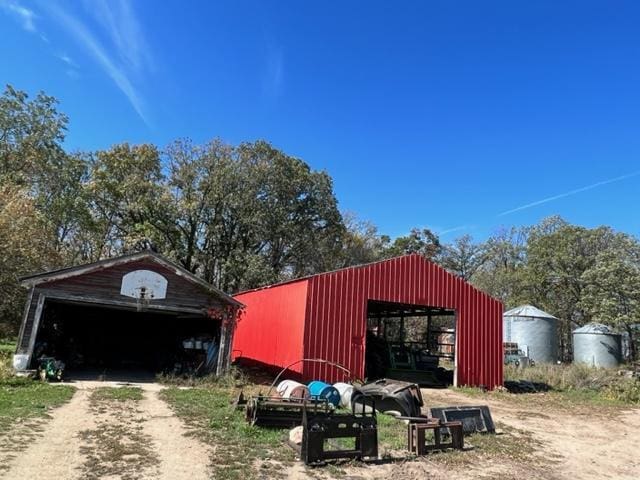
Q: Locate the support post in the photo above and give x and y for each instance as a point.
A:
(35, 326)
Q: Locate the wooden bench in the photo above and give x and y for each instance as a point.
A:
(416, 436)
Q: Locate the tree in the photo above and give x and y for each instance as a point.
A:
(504, 258)
(361, 242)
(31, 135)
(26, 248)
(124, 193)
(553, 277)
(248, 215)
(421, 241)
(463, 257)
(612, 288)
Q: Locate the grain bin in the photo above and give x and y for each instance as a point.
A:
(597, 345)
(535, 332)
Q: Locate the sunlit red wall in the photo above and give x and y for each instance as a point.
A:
(271, 327)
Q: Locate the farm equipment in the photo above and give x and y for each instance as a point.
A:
(513, 355)
(322, 425)
(277, 412)
(50, 369)
(390, 396)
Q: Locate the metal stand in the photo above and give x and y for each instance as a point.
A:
(318, 426)
(416, 436)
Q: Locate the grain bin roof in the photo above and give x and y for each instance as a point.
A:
(527, 311)
(596, 328)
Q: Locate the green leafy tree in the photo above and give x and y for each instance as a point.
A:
(611, 293)
(26, 248)
(463, 257)
(421, 241)
(31, 135)
(125, 199)
(501, 271)
(361, 243)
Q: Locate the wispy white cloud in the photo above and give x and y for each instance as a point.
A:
(24, 15)
(87, 39)
(274, 70)
(68, 60)
(121, 25)
(569, 193)
(459, 228)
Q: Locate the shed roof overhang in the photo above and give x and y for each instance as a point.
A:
(69, 272)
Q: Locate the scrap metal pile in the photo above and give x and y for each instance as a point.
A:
(321, 415)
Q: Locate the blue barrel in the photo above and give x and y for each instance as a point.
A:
(324, 391)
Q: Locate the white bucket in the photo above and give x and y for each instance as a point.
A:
(292, 389)
(20, 361)
(345, 391)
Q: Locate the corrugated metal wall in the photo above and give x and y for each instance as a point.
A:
(271, 327)
(337, 309)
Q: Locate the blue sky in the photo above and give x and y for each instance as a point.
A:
(461, 116)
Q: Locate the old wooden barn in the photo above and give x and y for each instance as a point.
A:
(137, 311)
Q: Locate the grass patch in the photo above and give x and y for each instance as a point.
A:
(238, 445)
(233, 378)
(243, 451)
(22, 398)
(6, 353)
(392, 434)
(120, 394)
(581, 384)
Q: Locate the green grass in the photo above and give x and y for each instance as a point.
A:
(22, 398)
(6, 353)
(238, 445)
(243, 451)
(120, 394)
(392, 434)
(7, 347)
(576, 384)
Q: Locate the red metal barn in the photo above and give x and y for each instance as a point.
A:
(326, 316)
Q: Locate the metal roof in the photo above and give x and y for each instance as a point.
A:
(527, 311)
(598, 328)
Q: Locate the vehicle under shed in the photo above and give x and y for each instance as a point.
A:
(135, 312)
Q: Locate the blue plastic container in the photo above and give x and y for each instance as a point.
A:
(324, 391)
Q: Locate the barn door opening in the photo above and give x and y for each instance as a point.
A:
(102, 341)
(415, 343)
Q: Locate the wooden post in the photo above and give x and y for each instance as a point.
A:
(221, 350)
(25, 316)
(35, 326)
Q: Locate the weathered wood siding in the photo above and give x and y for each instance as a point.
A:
(104, 284)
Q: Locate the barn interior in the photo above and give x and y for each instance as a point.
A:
(410, 342)
(110, 341)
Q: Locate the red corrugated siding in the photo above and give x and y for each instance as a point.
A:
(272, 325)
(337, 306)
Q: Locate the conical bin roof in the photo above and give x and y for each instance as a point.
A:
(528, 311)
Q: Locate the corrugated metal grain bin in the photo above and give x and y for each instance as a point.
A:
(535, 332)
(325, 316)
(597, 345)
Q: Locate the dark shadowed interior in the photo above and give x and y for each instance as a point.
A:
(92, 337)
(410, 342)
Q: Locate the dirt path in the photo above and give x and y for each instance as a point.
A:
(110, 439)
(181, 456)
(585, 443)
